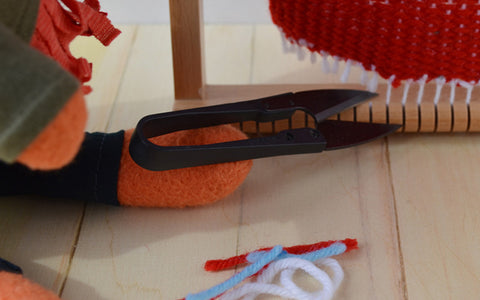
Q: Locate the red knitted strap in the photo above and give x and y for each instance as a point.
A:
(407, 39)
(222, 264)
(57, 26)
(95, 4)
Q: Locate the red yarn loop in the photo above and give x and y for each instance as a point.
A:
(59, 22)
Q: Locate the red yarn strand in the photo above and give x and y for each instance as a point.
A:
(223, 264)
(58, 25)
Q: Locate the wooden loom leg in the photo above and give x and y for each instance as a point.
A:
(186, 21)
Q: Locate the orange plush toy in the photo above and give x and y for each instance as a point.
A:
(43, 147)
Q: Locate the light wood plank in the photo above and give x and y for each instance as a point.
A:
(38, 235)
(436, 190)
(108, 66)
(147, 84)
(128, 253)
(228, 54)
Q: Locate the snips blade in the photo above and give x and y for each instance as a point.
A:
(344, 134)
(321, 104)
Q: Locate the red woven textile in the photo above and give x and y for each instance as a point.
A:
(59, 22)
(405, 38)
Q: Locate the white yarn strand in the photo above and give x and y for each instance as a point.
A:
(469, 86)
(336, 64)
(389, 90)
(438, 92)
(301, 51)
(373, 84)
(406, 89)
(346, 71)
(285, 43)
(469, 94)
(325, 62)
(291, 45)
(286, 268)
(313, 57)
(421, 90)
(453, 85)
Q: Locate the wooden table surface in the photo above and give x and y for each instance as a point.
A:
(412, 201)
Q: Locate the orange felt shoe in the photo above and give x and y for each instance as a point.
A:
(16, 287)
(60, 141)
(181, 187)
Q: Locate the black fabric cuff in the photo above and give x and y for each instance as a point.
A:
(9, 267)
(92, 176)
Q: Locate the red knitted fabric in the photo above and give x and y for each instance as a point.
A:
(59, 23)
(408, 39)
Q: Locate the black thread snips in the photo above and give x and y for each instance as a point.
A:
(319, 104)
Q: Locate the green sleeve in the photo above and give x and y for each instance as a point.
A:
(19, 16)
(33, 89)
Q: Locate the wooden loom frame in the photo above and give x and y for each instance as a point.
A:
(186, 19)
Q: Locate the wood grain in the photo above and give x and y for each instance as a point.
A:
(186, 20)
(435, 178)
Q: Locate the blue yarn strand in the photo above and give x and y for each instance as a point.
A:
(334, 249)
(265, 259)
